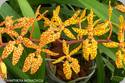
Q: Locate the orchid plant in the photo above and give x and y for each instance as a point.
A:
(85, 37)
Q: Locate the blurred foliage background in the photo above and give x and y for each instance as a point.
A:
(106, 70)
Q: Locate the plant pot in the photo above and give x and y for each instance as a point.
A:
(51, 72)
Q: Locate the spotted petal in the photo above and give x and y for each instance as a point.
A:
(101, 29)
(80, 31)
(120, 8)
(73, 19)
(8, 49)
(36, 63)
(65, 48)
(75, 65)
(28, 62)
(17, 53)
(119, 59)
(49, 36)
(59, 60)
(68, 33)
(67, 70)
(111, 44)
(50, 52)
(29, 44)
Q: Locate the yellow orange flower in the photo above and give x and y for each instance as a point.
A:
(59, 60)
(28, 61)
(8, 49)
(70, 63)
(11, 33)
(75, 65)
(17, 53)
(33, 62)
(120, 54)
(57, 23)
(36, 63)
(72, 20)
(120, 35)
(75, 50)
(65, 47)
(92, 30)
(9, 22)
(119, 59)
(67, 70)
(120, 8)
(49, 36)
(111, 44)
(56, 20)
(110, 10)
(49, 52)
(68, 33)
(89, 45)
(3, 70)
(101, 28)
(29, 44)
(80, 32)
(89, 49)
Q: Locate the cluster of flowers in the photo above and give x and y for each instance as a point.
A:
(56, 26)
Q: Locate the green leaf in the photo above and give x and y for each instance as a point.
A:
(12, 69)
(107, 51)
(117, 78)
(6, 10)
(28, 12)
(109, 65)
(40, 74)
(16, 70)
(41, 71)
(100, 69)
(15, 6)
(100, 9)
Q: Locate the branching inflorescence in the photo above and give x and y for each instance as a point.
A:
(89, 46)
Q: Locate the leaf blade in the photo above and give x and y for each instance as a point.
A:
(28, 12)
